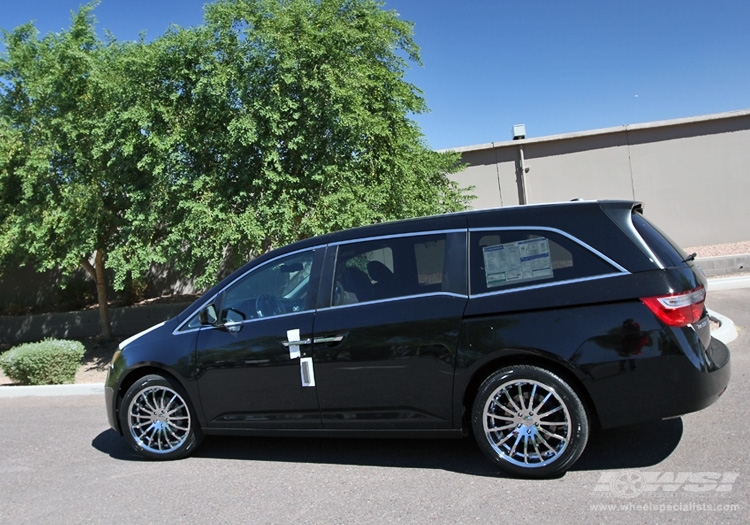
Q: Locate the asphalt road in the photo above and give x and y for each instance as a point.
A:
(59, 463)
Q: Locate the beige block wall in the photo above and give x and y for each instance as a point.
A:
(693, 175)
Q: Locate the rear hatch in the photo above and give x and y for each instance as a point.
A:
(682, 307)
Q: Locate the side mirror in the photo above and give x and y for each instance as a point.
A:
(233, 320)
(207, 316)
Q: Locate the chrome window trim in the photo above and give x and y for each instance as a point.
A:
(391, 299)
(549, 285)
(191, 330)
(246, 321)
(254, 268)
(560, 232)
(396, 236)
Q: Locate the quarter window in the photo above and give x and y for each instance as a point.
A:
(505, 259)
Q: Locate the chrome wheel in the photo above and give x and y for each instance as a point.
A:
(157, 420)
(529, 421)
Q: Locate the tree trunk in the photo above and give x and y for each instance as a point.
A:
(97, 274)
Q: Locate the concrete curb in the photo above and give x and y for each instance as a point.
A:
(724, 265)
(729, 283)
(81, 389)
(726, 333)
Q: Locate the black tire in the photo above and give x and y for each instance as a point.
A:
(516, 436)
(157, 420)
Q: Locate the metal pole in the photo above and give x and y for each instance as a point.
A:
(522, 195)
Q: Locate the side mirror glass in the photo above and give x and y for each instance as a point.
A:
(207, 316)
(233, 320)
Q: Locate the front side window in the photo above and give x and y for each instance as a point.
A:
(277, 288)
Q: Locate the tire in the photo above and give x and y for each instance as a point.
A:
(516, 436)
(157, 420)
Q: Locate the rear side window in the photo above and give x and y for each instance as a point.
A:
(504, 259)
(400, 266)
(666, 250)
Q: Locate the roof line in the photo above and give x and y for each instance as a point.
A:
(603, 131)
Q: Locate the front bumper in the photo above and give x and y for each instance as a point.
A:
(109, 401)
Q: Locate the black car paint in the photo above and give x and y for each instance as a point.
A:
(421, 359)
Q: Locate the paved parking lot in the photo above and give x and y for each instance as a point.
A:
(60, 463)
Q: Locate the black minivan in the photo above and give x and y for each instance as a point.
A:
(525, 326)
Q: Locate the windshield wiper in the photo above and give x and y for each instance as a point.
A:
(690, 257)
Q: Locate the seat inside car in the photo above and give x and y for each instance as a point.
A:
(356, 282)
(384, 281)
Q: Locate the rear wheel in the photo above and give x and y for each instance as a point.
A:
(157, 421)
(529, 422)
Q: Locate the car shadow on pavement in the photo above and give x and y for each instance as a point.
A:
(629, 447)
(112, 443)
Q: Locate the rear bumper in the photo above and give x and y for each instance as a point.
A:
(662, 387)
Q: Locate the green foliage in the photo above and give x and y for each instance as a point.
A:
(307, 111)
(49, 362)
(273, 121)
(62, 191)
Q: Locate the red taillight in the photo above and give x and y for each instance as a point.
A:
(678, 309)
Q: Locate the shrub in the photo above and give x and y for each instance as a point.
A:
(48, 362)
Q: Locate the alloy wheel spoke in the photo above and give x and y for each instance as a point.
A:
(553, 411)
(510, 400)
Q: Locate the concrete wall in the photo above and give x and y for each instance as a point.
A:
(81, 324)
(692, 174)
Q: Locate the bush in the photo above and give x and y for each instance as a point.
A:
(49, 362)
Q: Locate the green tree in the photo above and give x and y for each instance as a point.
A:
(305, 126)
(273, 121)
(72, 187)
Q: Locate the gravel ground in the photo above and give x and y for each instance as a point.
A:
(98, 355)
(718, 250)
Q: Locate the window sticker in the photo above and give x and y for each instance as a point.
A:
(517, 262)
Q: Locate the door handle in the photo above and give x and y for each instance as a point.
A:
(297, 343)
(329, 339)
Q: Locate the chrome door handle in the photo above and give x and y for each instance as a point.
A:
(297, 343)
(331, 339)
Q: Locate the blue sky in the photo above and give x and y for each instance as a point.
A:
(556, 66)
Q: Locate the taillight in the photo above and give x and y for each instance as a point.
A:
(679, 309)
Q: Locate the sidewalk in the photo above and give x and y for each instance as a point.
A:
(725, 333)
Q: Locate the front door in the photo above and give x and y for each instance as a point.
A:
(250, 366)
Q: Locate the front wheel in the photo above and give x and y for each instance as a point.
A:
(529, 422)
(157, 421)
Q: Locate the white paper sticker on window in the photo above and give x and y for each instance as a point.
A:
(516, 262)
(307, 371)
